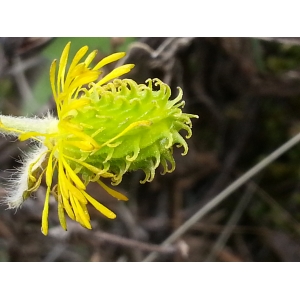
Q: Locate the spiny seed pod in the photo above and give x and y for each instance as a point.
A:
(133, 127)
(103, 130)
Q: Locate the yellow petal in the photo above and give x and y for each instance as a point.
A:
(128, 128)
(45, 213)
(78, 56)
(104, 210)
(109, 59)
(49, 170)
(62, 67)
(112, 192)
(90, 57)
(91, 168)
(74, 105)
(52, 79)
(81, 80)
(84, 220)
(115, 73)
(61, 215)
(73, 175)
(76, 132)
(82, 145)
(63, 190)
(74, 191)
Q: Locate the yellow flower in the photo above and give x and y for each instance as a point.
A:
(53, 136)
(103, 129)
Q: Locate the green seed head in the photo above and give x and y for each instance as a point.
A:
(133, 126)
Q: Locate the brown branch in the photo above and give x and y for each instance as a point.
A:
(125, 242)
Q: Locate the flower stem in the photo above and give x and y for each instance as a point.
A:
(23, 124)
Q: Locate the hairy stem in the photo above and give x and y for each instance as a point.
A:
(23, 124)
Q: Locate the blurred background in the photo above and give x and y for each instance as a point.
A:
(246, 92)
